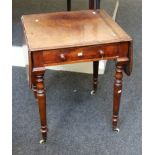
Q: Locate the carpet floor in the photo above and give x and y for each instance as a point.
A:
(78, 123)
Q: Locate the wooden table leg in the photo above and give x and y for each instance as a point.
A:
(91, 4)
(117, 95)
(34, 87)
(68, 5)
(95, 76)
(39, 77)
(95, 63)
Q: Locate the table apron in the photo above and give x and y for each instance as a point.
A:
(79, 54)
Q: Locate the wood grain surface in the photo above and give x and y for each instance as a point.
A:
(71, 29)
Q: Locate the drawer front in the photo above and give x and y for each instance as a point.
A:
(83, 54)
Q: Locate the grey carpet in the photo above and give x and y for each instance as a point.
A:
(79, 124)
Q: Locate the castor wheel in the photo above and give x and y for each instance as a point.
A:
(42, 141)
(92, 92)
(116, 129)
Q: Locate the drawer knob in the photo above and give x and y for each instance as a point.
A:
(101, 53)
(80, 54)
(62, 56)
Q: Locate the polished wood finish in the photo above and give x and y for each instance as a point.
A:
(71, 37)
(117, 93)
(95, 75)
(95, 63)
(77, 28)
(34, 86)
(91, 4)
(128, 66)
(72, 55)
(68, 5)
(41, 96)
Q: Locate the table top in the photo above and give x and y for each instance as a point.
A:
(71, 29)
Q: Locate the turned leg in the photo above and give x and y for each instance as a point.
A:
(41, 104)
(97, 4)
(91, 4)
(34, 87)
(95, 76)
(68, 5)
(117, 95)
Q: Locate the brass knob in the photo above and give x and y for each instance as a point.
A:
(101, 53)
(62, 56)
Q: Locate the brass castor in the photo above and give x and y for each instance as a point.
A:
(42, 141)
(116, 129)
(92, 92)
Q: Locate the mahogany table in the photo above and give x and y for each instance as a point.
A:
(71, 37)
